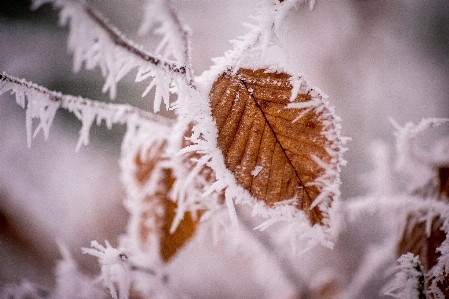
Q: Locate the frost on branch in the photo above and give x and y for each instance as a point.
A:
(42, 103)
(254, 45)
(95, 43)
(258, 136)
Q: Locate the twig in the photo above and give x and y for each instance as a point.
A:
(120, 40)
(122, 112)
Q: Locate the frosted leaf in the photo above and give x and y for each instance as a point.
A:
(256, 127)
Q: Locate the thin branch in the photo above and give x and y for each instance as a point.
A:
(185, 40)
(122, 112)
(120, 40)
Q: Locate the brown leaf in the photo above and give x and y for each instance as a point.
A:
(158, 209)
(417, 241)
(266, 145)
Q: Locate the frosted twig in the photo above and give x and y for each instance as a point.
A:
(43, 104)
(175, 36)
(269, 20)
(122, 112)
(120, 40)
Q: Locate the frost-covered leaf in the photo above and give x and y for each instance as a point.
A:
(159, 210)
(165, 193)
(422, 239)
(424, 236)
(278, 137)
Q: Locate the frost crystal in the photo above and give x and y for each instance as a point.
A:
(409, 281)
(114, 267)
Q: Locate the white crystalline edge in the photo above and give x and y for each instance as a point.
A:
(329, 182)
(175, 36)
(141, 140)
(406, 281)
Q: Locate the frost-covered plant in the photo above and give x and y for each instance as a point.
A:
(252, 160)
(409, 281)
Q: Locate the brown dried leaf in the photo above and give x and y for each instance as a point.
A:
(159, 210)
(258, 133)
(417, 241)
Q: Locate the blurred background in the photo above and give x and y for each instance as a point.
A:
(374, 59)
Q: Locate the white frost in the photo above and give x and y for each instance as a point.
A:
(256, 170)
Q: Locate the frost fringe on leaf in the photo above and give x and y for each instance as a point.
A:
(412, 160)
(297, 149)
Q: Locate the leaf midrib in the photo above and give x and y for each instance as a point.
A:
(277, 140)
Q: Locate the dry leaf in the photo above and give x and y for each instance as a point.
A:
(159, 209)
(424, 235)
(419, 243)
(268, 146)
(416, 241)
